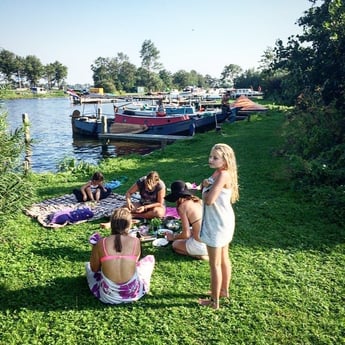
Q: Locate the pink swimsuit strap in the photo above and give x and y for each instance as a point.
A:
(110, 257)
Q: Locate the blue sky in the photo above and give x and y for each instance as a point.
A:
(204, 35)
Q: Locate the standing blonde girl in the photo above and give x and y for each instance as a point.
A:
(219, 192)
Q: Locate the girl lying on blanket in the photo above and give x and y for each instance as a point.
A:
(93, 190)
(114, 274)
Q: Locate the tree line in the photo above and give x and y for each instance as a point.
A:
(116, 74)
(20, 71)
(307, 72)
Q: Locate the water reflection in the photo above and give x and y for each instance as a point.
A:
(51, 132)
(82, 145)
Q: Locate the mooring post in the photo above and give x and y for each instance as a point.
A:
(104, 124)
(27, 141)
(99, 112)
(104, 130)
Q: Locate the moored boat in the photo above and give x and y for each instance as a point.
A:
(174, 121)
(88, 125)
(167, 125)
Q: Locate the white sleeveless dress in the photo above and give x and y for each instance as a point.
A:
(218, 221)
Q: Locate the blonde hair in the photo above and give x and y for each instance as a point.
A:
(152, 180)
(228, 155)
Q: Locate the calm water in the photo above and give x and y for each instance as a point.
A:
(51, 131)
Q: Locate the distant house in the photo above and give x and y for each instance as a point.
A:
(38, 90)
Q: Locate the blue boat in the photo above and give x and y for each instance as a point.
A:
(169, 124)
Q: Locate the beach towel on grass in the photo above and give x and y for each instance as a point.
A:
(45, 211)
(48, 210)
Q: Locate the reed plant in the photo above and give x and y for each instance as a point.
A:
(288, 284)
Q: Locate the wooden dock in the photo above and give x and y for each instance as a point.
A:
(163, 139)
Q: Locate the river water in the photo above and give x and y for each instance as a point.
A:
(51, 132)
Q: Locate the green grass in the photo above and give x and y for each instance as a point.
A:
(288, 258)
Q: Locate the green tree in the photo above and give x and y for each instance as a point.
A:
(166, 78)
(313, 76)
(114, 73)
(100, 70)
(229, 73)
(150, 62)
(8, 64)
(20, 72)
(61, 73)
(314, 60)
(181, 79)
(150, 56)
(125, 73)
(49, 72)
(211, 82)
(249, 78)
(33, 69)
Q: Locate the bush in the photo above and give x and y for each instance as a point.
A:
(316, 149)
(16, 190)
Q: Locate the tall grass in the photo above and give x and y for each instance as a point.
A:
(288, 282)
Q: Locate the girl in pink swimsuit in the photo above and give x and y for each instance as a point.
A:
(115, 274)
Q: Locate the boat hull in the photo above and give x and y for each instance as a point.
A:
(208, 120)
(88, 126)
(178, 124)
(165, 125)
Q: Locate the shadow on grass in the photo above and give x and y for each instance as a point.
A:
(72, 293)
(67, 253)
(76, 255)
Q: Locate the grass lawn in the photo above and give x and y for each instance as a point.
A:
(288, 284)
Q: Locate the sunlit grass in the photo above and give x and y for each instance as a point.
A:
(288, 284)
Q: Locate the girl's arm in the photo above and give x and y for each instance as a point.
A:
(95, 262)
(160, 197)
(86, 185)
(222, 181)
(185, 233)
(134, 188)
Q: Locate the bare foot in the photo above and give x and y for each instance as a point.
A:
(209, 302)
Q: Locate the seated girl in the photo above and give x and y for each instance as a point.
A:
(93, 190)
(189, 208)
(152, 192)
(114, 274)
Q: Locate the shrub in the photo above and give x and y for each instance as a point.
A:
(16, 190)
(316, 150)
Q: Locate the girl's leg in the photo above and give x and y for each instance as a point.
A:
(179, 246)
(226, 271)
(215, 258)
(89, 194)
(156, 212)
(98, 194)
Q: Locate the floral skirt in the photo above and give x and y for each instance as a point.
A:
(109, 292)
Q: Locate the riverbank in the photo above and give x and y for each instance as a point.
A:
(28, 94)
(288, 260)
